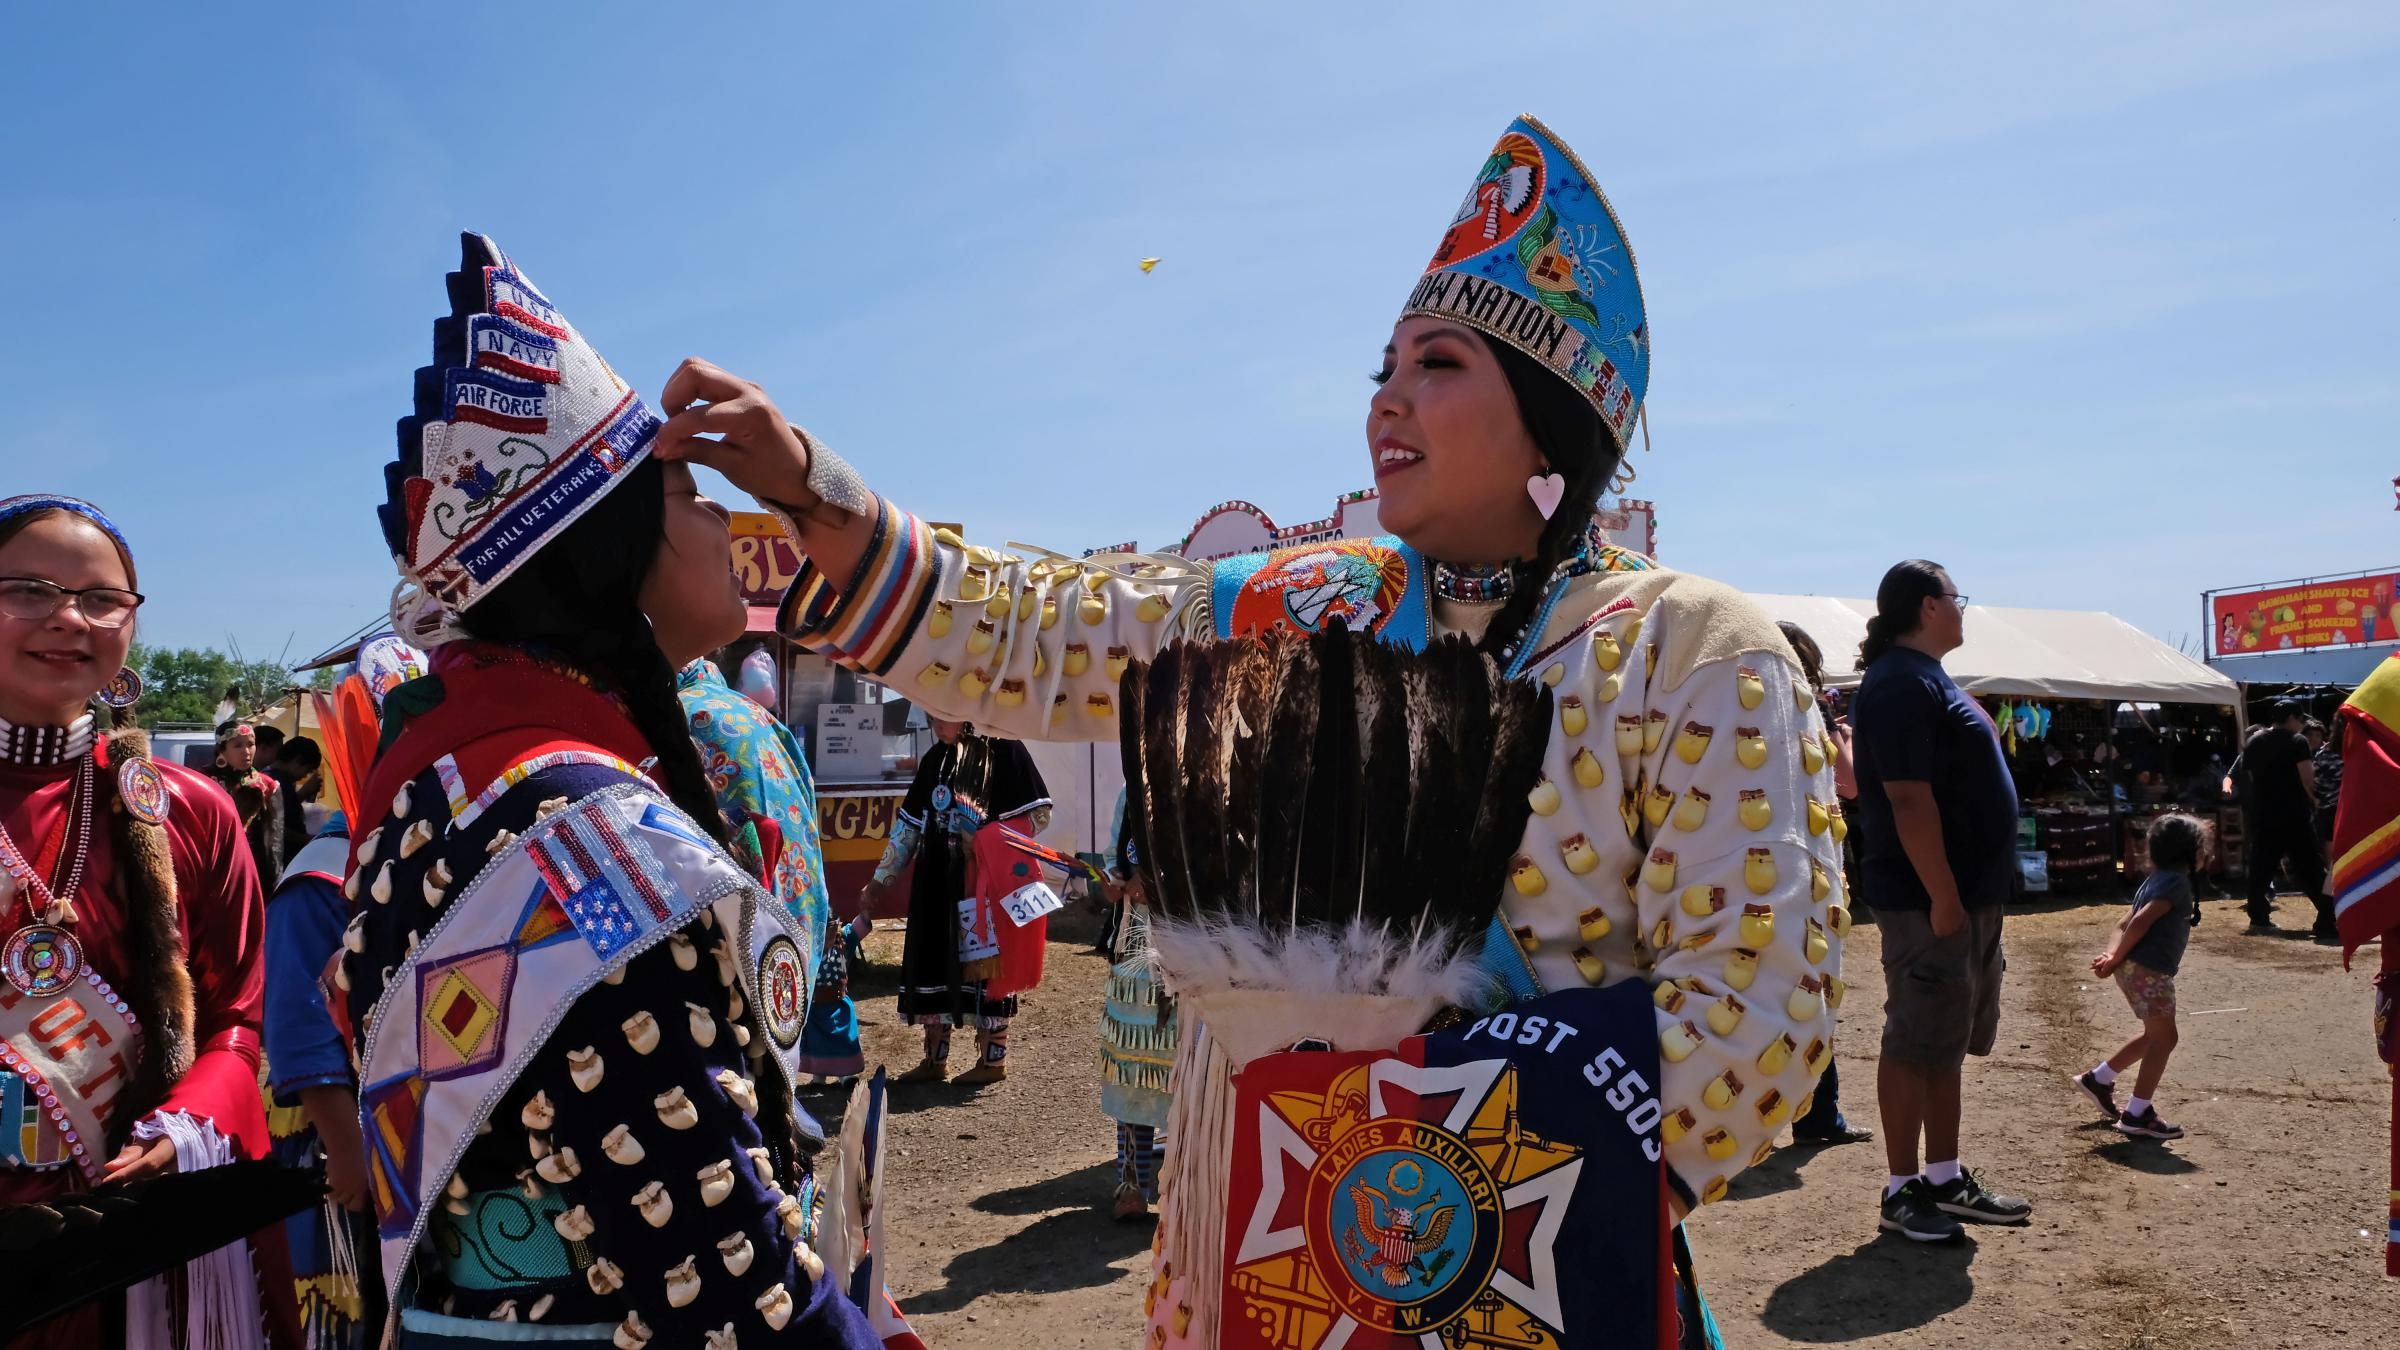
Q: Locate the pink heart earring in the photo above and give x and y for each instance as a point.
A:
(1547, 490)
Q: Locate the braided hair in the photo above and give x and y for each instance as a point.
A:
(1577, 446)
(1899, 606)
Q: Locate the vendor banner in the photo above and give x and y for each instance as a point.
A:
(2344, 611)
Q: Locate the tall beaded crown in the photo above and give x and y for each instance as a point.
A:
(1535, 258)
(519, 427)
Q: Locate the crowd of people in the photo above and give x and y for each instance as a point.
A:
(1489, 813)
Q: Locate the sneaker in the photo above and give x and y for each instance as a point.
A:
(1966, 1198)
(2103, 1095)
(2147, 1125)
(1911, 1212)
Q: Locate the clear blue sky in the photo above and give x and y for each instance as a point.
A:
(2094, 304)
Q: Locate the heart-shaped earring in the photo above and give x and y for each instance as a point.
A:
(1547, 490)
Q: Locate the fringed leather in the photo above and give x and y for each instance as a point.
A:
(160, 985)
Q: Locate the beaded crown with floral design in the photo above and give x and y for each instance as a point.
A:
(519, 427)
(1535, 257)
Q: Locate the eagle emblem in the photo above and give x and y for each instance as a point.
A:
(1400, 1245)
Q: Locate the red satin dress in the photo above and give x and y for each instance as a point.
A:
(222, 918)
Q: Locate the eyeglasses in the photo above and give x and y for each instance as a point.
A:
(35, 599)
(1953, 595)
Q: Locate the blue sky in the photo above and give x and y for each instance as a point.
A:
(2091, 303)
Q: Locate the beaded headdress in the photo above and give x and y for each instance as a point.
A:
(519, 427)
(1536, 259)
(12, 507)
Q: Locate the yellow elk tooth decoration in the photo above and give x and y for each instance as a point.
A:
(1772, 1108)
(1606, 652)
(1041, 661)
(1028, 601)
(1765, 1150)
(1758, 926)
(1589, 772)
(1777, 1055)
(1095, 581)
(1589, 966)
(1818, 817)
(1579, 856)
(1593, 925)
(1544, 797)
(1058, 710)
(1610, 688)
(1841, 827)
(1012, 693)
(1814, 1059)
(1725, 1014)
(980, 637)
(1697, 941)
(1654, 730)
(1702, 901)
(937, 624)
(1676, 1124)
(1749, 747)
(1755, 811)
(1758, 870)
(1677, 1042)
(1659, 873)
(1572, 719)
(1077, 660)
(1092, 609)
(974, 682)
(1812, 755)
(1692, 742)
(998, 605)
(1692, 812)
(1813, 944)
(1668, 998)
(1719, 1143)
(1527, 877)
(1713, 1191)
(1834, 990)
(1749, 688)
(1151, 608)
(1529, 940)
(1820, 885)
(1807, 1000)
(1800, 696)
(1662, 935)
(1722, 1091)
(1658, 805)
(1553, 673)
(946, 535)
(1117, 660)
(1049, 612)
(1098, 705)
(1741, 967)
(934, 676)
(1629, 734)
(1837, 918)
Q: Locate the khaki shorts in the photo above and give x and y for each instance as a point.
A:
(1941, 998)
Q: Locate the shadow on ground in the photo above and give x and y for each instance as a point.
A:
(1075, 1248)
(1884, 1286)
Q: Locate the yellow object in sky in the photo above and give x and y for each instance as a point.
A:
(1148, 264)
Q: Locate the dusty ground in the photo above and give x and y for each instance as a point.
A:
(2247, 1233)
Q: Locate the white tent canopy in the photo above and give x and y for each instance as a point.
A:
(2030, 653)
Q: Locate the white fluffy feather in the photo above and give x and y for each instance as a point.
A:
(1207, 956)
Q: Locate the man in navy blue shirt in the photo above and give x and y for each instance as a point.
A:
(1938, 817)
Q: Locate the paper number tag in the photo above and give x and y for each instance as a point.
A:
(1027, 903)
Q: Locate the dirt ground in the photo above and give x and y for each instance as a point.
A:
(2262, 1228)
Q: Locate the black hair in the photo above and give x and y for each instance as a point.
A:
(301, 752)
(2177, 842)
(579, 596)
(1900, 606)
(1578, 447)
(266, 734)
(1812, 657)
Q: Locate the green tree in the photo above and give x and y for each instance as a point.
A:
(186, 684)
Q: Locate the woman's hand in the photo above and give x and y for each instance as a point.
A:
(730, 425)
(140, 1161)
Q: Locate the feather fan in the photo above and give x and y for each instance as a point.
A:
(1330, 793)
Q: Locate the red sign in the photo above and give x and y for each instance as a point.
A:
(2335, 612)
(764, 559)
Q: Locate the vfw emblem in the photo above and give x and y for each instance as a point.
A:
(1436, 1197)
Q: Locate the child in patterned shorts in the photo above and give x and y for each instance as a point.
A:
(2144, 958)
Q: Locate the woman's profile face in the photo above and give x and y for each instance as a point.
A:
(50, 667)
(1449, 448)
(691, 595)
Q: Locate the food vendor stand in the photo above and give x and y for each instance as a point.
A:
(2104, 727)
